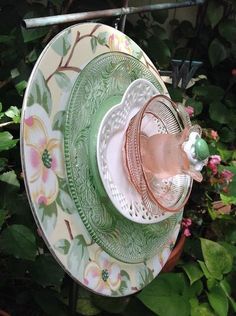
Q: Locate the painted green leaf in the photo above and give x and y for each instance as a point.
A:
(62, 80)
(203, 309)
(40, 93)
(125, 286)
(63, 44)
(166, 295)
(219, 112)
(217, 259)
(59, 121)
(145, 276)
(48, 216)
(14, 113)
(78, 256)
(102, 38)
(65, 202)
(94, 43)
(218, 301)
(62, 246)
(46, 271)
(193, 271)
(18, 241)
(214, 12)
(6, 141)
(217, 52)
(227, 30)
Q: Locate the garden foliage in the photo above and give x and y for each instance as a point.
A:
(31, 282)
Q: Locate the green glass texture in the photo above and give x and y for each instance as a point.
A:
(106, 78)
(201, 149)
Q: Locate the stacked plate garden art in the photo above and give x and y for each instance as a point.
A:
(105, 189)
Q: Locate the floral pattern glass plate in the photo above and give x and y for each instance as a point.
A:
(42, 152)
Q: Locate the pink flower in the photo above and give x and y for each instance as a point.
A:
(213, 162)
(186, 223)
(102, 275)
(190, 110)
(227, 175)
(187, 232)
(214, 134)
(233, 72)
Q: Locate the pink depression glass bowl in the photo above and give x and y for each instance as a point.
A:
(159, 115)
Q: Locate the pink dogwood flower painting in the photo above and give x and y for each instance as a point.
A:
(43, 156)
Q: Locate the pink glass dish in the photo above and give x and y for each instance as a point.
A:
(160, 176)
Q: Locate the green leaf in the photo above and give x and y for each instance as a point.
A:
(49, 302)
(3, 163)
(85, 307)
(6, 141)
(197, 105)
(113, 305)
(214, 12)
(30, 35)
(195, 289)
(193, 271)
(6, 39)
(62, 45)
(14, 113)
(40, 93)
(62, 80)
(65, 202)
(167, 295)
(217, 52)
(59, 121)
(94, 43)
(21, 86)
(18, 241)
(160, 50)
(46, 271)
(203, 309)
(204, 269)
(209, 92)
(3, 215)
(9, 179)
(227, 135)
(48, 216)
(62, 246)
(218, 301)
(102, 38)
(160, 16)
(218, 112)
(215, 253)
(227, 30)
(9, 186)
(78, 256)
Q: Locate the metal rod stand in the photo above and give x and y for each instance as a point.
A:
(77, 17)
